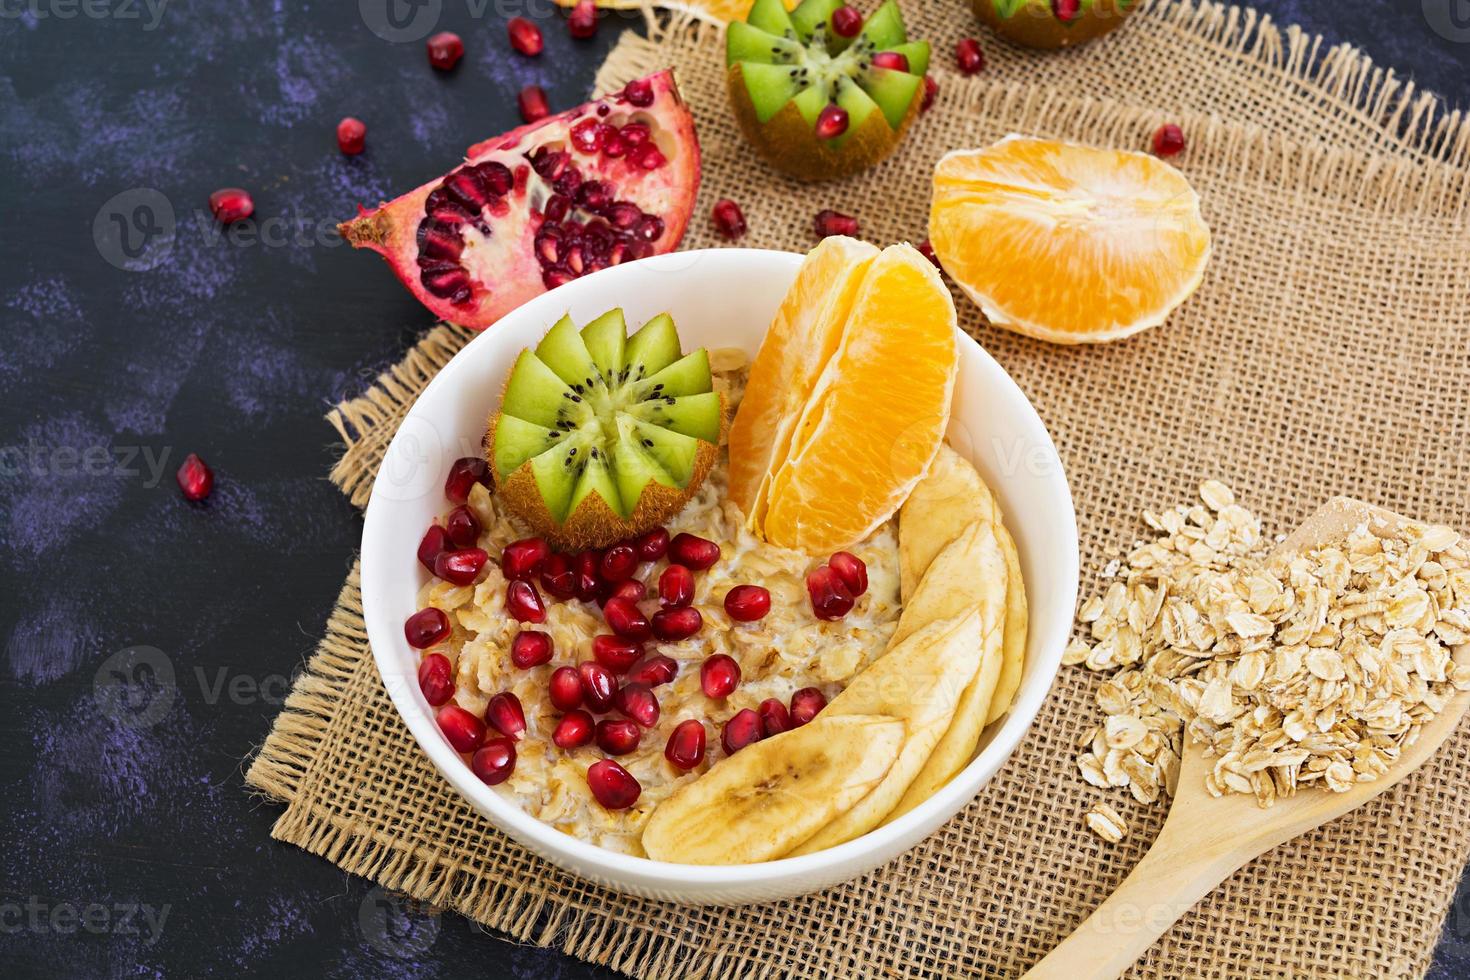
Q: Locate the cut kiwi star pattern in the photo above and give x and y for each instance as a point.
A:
(778, 59)
(601, 435)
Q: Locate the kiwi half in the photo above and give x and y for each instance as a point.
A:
(784, 68)
(1036, 23)
(600, 435)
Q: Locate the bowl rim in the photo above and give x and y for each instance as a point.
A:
(378, 536)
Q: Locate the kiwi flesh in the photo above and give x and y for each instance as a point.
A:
(601, 435)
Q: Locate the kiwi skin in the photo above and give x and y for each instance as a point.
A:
(786, 142)
(594, 524)
(1035, 26)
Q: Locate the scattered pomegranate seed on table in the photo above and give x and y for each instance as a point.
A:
(846, 21)
(426, 627)
(573, 731)
(676, 587)
(461, 567)
(968, 57)
(494, 761)
(637, 701)
(231, 204)
(524, 558)
(195, 478)
(618, 736)
(931, 90)
(806, 704)
(892, 60)
(774, 717)
(829, 222)
(626, 619)
(464, 731)
(685, 748)
(743, 728)
(530, 648)
(612, 785)
(525, 37)
(351, 136)
(445, 50)
(616, 653)
(1066, 11)
(434, 543)
(565, 689)
(831, 122)
(747, 603)
(524, 603)
(926, 249)
(582, 22)
(654, 670)
(436, 679)
(598, 685)
(728, 218)
(533, 104)
(719, 676)
(678, 623)
(505, 714)
(829, 594)
(463, 527)
(464, 473)
(1168, 140)
(852, 570)
(693, 552)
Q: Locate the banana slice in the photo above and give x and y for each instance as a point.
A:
(968, 574)
(947, 500)
(770, 796)
(1017, 618)
(920, 680)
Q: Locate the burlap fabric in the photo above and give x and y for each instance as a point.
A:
(1326, 352)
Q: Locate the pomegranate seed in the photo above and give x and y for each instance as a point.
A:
(351, 136)
(719, 676)
(632, 591)
(846, 22)
(829, 222)
(1168, 140)
(729, 219)
(679, 623)
(1066, 11)
(461, 567)
(462, 526)
(634, 134)
(831, 122)
(626, 619)
(505, 715)
(740, 731)
(654, 670)
(525, 37)
(426, 627)
(565, 689)
(926, 249)
(640, 93)
(464, 731)
(532, 100)
(852, 570)
(649, 157)
(774, 717)
(524, 603)
(436, 679)
(530, 648)
(637, 702)
(830, 596)
(445, 50)
(931, 91)
(676, 586)
(968, 56)
(653, 545)
(582, 22)
(685, 748)
(231, 204)
(806, 704)
(463, 475)
(693, 552)
(612, 785)
(524, 558)
(589, 135)
(587, 566)
(495, 761)
(195, 478)
(618, 736)
(435, 542)
(618, 563)
(747, 603)
(573, 731)
(558, 578)
(616, 653)
(598, 685)
(892, 60)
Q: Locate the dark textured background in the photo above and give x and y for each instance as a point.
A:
(130, 847)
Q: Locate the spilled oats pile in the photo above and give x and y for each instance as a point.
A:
(1318, 668)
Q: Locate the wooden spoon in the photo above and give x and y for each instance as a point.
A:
(1205, 839)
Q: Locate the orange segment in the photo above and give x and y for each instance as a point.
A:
(1068, 243)
(878, 413)
(721, 10)
(801, 340)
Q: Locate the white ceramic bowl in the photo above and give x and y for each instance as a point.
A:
(719, 298)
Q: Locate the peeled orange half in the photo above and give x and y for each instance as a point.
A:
(1068, 243)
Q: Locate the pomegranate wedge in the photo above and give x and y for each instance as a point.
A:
(607, 182)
